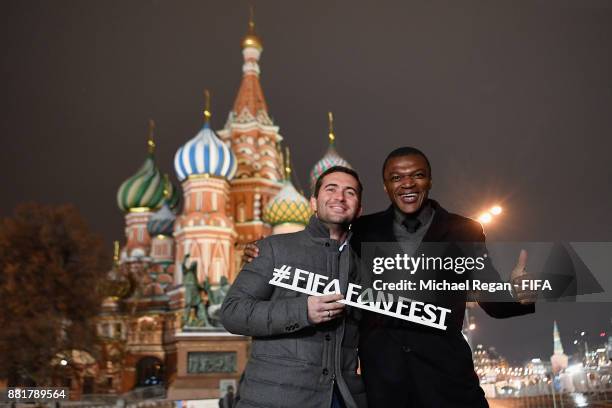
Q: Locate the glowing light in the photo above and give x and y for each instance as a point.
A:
(580, 400)
(602, 334)
(485, 218)
(575, 341)
(582, 333)
(472, 326)
(576, 368)
(63, 362)
(496, 210)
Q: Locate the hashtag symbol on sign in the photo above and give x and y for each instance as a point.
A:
(281, 274)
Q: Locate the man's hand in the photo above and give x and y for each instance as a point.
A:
(324, 308)
(519, 274)
(250, 252)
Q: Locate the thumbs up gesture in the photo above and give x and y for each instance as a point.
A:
(519, 274)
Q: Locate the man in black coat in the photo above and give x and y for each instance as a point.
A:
(407, 364)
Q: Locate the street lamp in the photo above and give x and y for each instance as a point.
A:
(495, 210)
(487, 216)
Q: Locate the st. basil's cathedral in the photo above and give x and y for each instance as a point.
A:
(159, 323)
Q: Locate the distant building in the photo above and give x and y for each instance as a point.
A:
(537, 368)
(559, 359)
(488, 364)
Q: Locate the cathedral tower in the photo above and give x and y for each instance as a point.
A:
(139, 196)
(559, 359)
(205, 229)
(254, 139)
(288, 211)
(331, 158)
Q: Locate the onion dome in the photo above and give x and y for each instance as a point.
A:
(205, 153)
(288, 205)
(162, 222)
(331, 158)
(116, 285)
(145, 190)
(251, 39)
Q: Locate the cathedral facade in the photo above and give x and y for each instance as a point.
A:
(183, 245)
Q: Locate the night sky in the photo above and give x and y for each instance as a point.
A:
(512, 102)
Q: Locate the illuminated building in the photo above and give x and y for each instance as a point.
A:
(488, 364)
(558, 360)
(159, 323)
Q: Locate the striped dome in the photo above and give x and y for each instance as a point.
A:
(162, 222)
(145, 189)
(205, 154)
(288, 206)
(331, 159)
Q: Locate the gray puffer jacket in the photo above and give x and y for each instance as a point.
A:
(294, 363)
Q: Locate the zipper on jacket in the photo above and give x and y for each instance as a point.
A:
(333, 342)
(333, 384)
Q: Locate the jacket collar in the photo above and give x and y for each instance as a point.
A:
(316, 228)
(319, 231)
(439, 224)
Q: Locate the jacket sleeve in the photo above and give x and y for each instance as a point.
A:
(249, 307)
(500, 304)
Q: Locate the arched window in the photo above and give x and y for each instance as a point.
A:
(149, 371)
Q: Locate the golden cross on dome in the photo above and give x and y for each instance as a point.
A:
(150, 140)
(251, 39)
(287, 164)
(330, 119)
(207, 113)
(251, 19)
(166, 186)
(116, 253)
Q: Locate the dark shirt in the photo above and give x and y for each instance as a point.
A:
(410, 241)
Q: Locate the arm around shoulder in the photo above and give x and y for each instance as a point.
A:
(250, 307)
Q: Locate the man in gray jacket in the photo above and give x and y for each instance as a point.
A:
(304, 350)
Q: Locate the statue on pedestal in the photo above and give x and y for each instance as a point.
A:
(196, 297)
(216, 298)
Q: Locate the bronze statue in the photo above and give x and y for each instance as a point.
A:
(196, 297)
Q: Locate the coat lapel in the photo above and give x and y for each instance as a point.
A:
(438, 229)
(386, 233)
(433, 243)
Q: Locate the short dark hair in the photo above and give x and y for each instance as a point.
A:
(338, 169)
(405, 151)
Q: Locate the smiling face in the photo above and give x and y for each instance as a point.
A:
(407, 181)
(338, 199)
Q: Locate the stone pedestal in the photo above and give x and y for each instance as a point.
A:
(203, 359)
